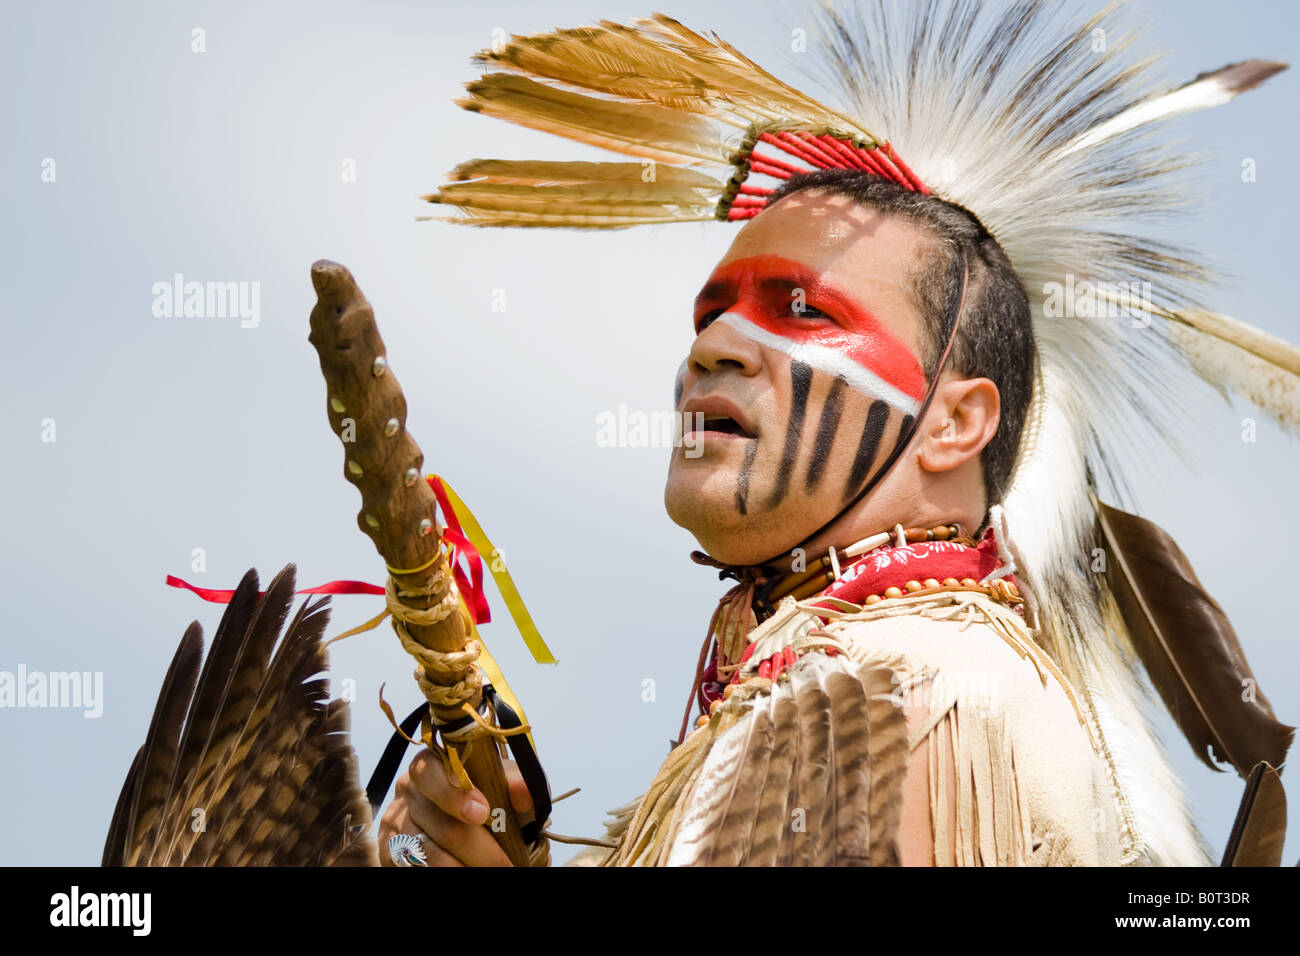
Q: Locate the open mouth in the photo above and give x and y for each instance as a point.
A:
(723, 425)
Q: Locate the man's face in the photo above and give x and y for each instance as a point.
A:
(806, 366)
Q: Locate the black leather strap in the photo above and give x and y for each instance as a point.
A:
(391, 761)
(530, 767)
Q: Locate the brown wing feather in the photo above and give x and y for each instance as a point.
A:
(147, 784)
(273, 730)
(1188, 647)
(228, 688)
(264, 752)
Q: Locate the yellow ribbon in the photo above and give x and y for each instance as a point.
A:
(514, 603)
(509, 593)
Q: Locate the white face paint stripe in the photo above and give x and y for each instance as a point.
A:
(824, 360)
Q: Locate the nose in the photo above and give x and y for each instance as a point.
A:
(719, 348)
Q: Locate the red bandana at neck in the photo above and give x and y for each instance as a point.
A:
(893, 567)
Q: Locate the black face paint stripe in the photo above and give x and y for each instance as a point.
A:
(742, 485)
(800, 383)
(872, 432)
(677, 393)
(826, 428)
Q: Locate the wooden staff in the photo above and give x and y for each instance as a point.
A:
(368, 412)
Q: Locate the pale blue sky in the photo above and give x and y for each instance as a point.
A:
(176, 434)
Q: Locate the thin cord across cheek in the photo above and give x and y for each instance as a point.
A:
(953, 320)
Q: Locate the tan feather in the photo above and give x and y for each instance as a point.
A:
(644, 839)
(639, 129)
(661, 61)
(737, 797)
(771, 828)
(816, 774)
(1260, 828)
(576, 216)
(264, 756)
(599, 195)
(850, 840)
(1233, 356)
(539, 172)
(652, 75)
(1188, 647)
(887, 766)
(591, 195)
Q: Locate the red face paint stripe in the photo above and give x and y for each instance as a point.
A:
(760, 289)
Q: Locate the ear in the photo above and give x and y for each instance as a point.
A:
(962, 419)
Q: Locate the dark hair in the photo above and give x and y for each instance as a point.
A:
(995, 337)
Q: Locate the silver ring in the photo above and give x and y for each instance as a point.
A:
(407, 850)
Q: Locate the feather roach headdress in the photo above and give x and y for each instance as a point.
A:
(1049, 134)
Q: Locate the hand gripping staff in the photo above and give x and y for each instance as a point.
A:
(368, 412)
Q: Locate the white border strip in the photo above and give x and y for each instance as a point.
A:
(825, 360)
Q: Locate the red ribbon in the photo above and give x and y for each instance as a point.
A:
(469, 582)
(471, 585)
(333, 587)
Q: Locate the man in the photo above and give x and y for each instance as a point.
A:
(865, 359)
(911, 381)
(816, 336)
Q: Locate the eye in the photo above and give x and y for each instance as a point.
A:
(704, 321)
(806, 311)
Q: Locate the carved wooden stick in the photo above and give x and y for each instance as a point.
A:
(368, 411)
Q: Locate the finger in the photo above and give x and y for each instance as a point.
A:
(392, 822)
(520, 798)
(430, 779)
(402, 823)
(472, 845)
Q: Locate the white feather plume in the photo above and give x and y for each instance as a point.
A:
(1004, 112)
